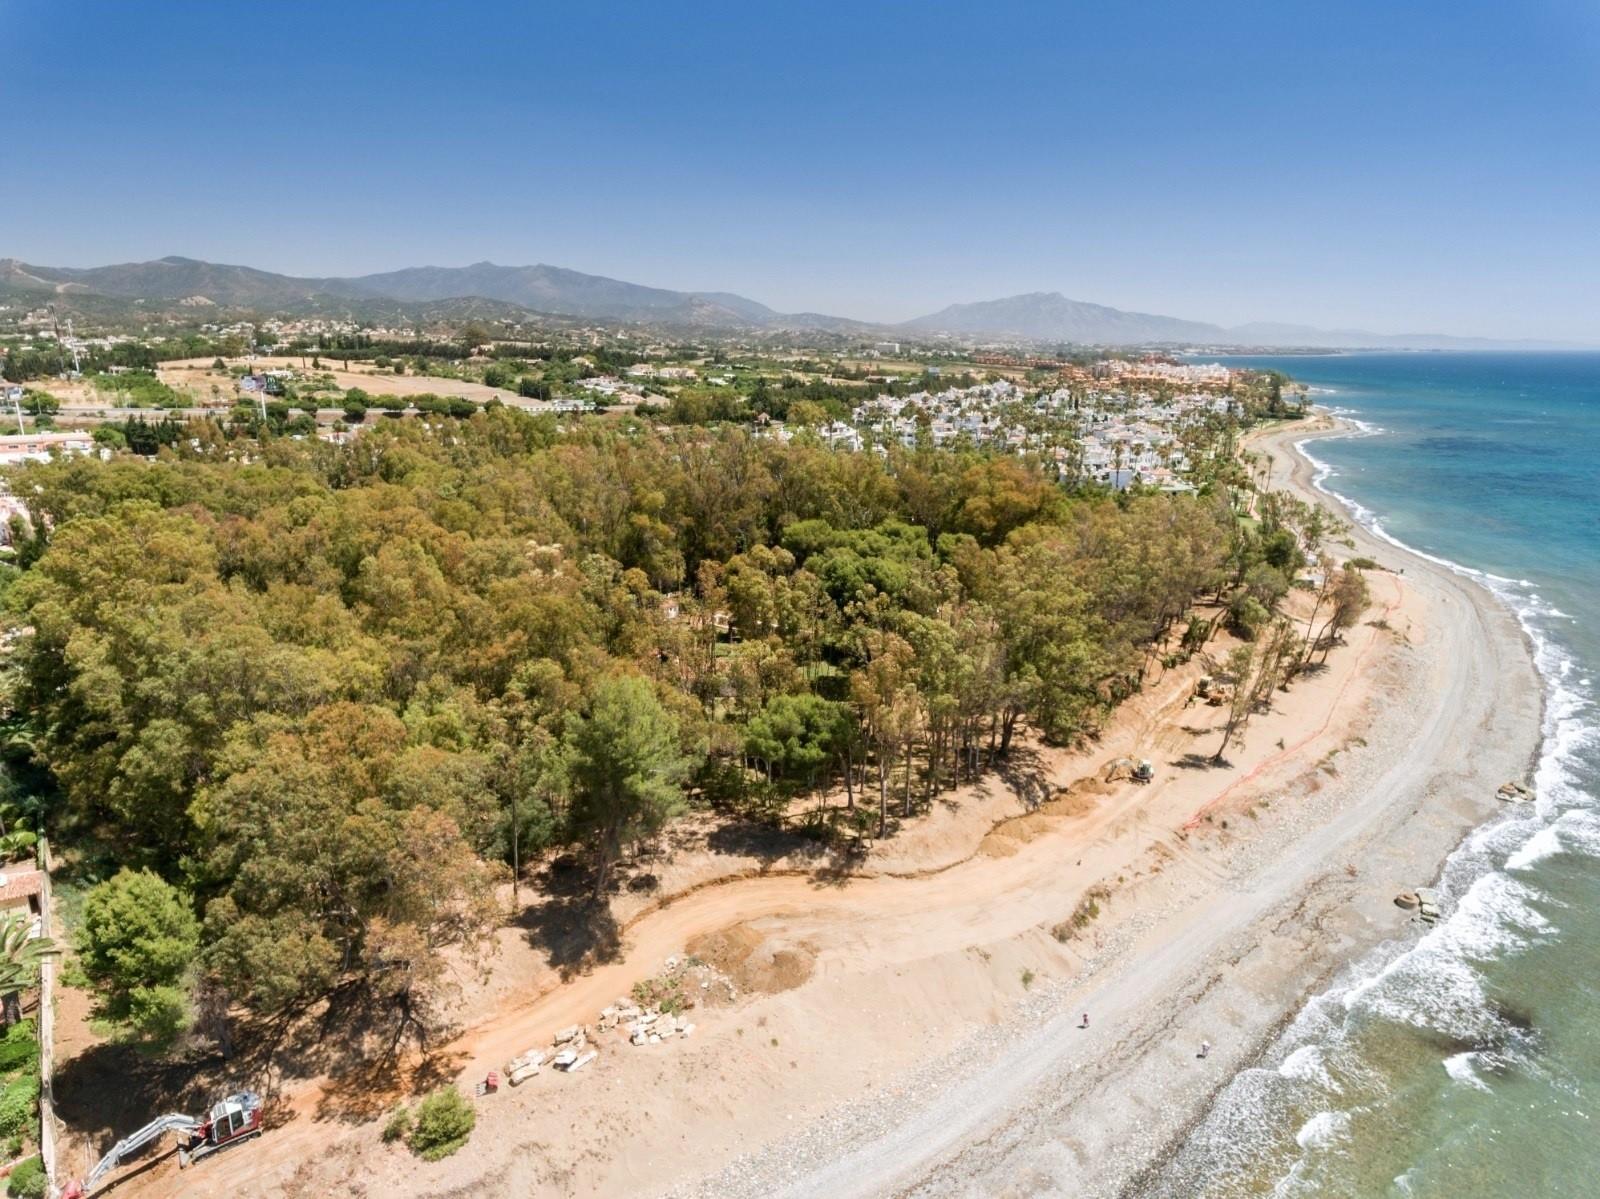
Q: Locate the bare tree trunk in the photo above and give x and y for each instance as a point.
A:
(905, 790)
(1007, 728)
(212, 1010)
(1235, 715)
(602, 870)
(1322, 592)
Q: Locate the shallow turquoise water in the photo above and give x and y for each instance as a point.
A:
(1466, 1064)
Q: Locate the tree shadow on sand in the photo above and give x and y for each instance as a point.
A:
(567, 923)
(112, 1088)
(1024, 771)
(366, 1042)
(1199, 761)
(109, 1090)
(366, 1090)
(386, 1048)
(841, 866)
(149, 1158)
(757, 839)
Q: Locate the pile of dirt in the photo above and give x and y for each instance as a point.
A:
(1009, 836)
(755, 963)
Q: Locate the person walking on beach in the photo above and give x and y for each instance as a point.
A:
(1205, 1049)
(1085, 1023)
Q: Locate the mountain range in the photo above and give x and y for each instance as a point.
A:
(485, 290)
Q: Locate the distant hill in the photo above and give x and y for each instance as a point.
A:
(480, 289)
(555, 289)
(177, 279)
(556, 295)
(1050, 316)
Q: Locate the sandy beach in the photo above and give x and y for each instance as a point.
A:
(912, 1028)
(1230, 953)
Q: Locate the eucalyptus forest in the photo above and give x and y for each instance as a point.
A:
(316, 702)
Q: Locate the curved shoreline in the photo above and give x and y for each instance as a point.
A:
(1308, 475)
(1047, 1117)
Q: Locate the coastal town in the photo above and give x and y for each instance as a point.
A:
(1119, 421)
(1102, 424)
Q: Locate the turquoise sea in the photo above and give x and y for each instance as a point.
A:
(1466, 1064)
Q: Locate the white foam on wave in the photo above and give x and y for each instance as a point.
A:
(1434, 983)
(1575, 831)
(1493, 918)
(1500, 837)
(1363, 428)
(1459, 1068)
(1580, 830)
(1568, 727)
(1494, 913)
(1322, 1130)
(1306, 1064)
(1428, 989)
(1543, 844)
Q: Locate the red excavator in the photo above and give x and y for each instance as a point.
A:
(237, 1118)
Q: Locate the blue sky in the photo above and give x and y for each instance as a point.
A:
(1396, 166)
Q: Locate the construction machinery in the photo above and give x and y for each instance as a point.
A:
(234, 1119)
(1140, 771)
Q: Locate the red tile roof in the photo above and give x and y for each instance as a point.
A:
(19, 884)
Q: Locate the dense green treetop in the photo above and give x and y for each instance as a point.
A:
(325, 689)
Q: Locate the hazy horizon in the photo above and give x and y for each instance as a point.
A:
(1395, 171)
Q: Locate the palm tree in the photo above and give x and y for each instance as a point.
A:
(15, 838)
(17, 842)
(21, 955)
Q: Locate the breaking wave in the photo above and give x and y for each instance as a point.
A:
(1322, 1130)
(1432, 985)
(1459, 1067)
